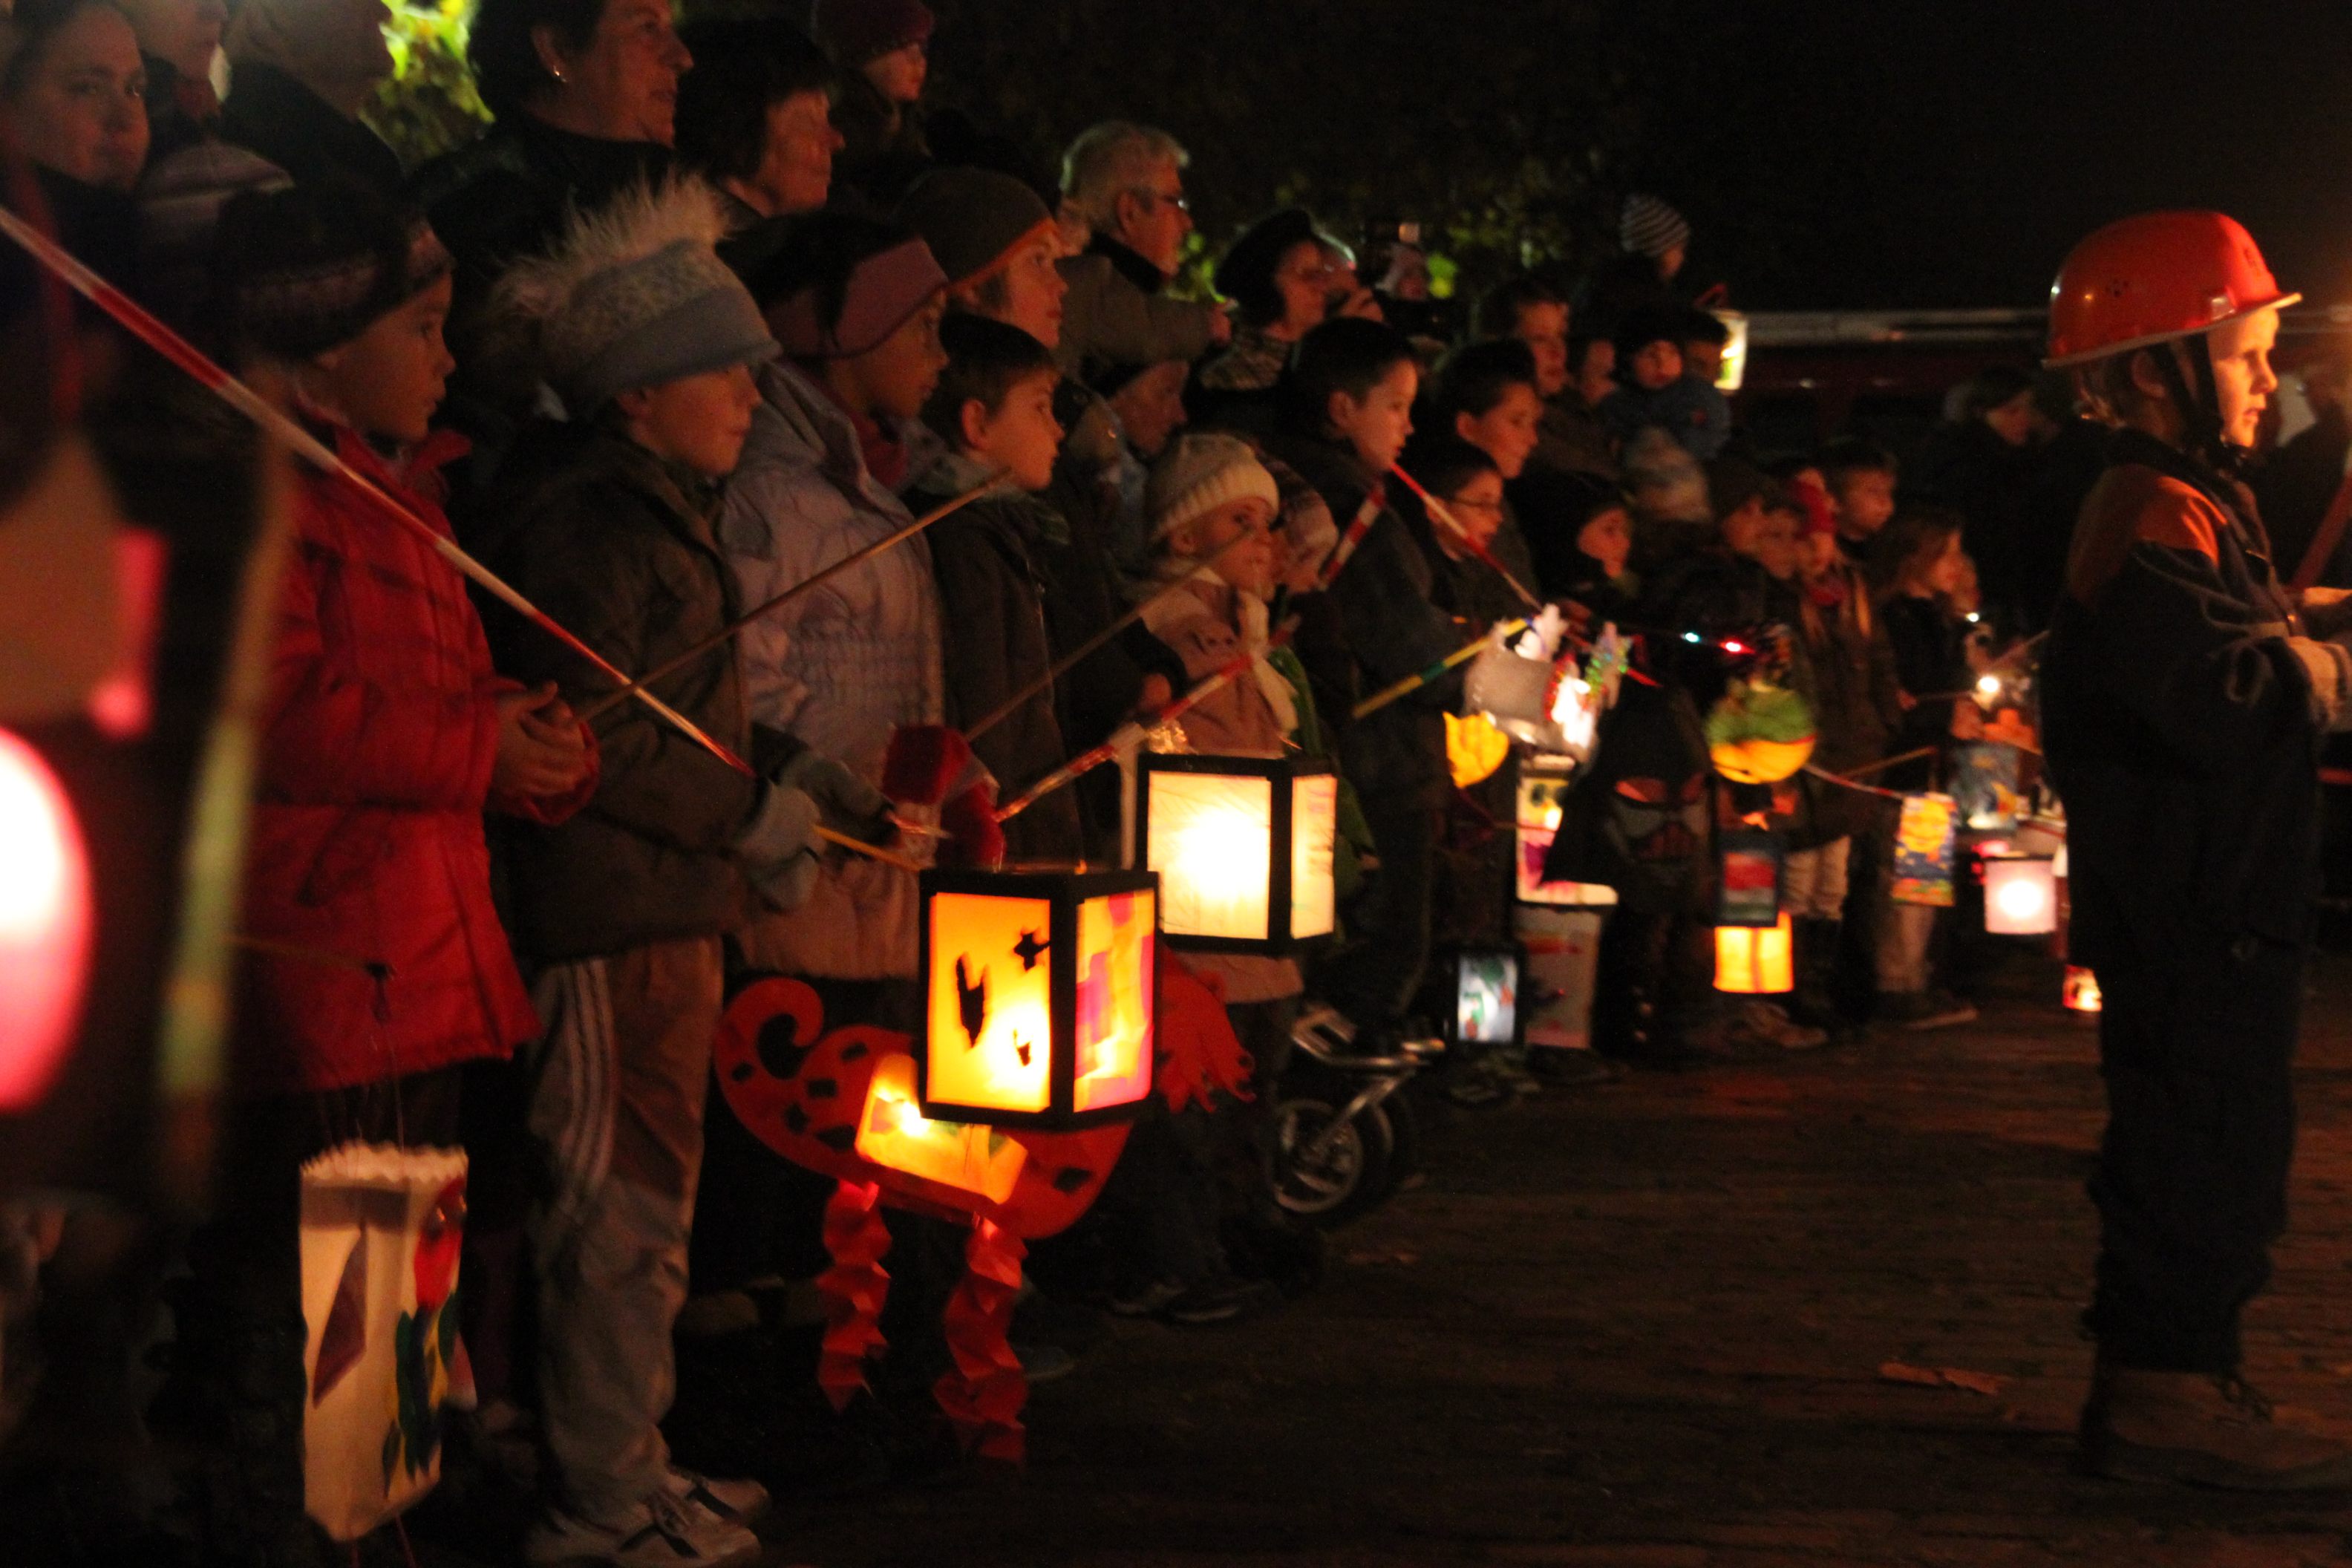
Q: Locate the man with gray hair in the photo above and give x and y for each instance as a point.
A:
(1127, 183)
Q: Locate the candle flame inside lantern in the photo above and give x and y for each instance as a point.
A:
(1213, 844)
(2082, 993)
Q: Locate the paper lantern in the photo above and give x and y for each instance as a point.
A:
(2082, 993)
(1924, 838)
(894, 1134)
(1543, 794)
(1242, 848)
(1747, 878)
(1755, 961)
(2021, 895)
(1485, 1008)
(1759, 733)
(45, 924)
(1039, 1004)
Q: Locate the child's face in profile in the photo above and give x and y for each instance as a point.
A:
(1236, 542)
(1608, 537)
(1776, 543)
(1377, 424)
(1657, 365)
(1865, 500)
(1023, 438)
(1477, 506)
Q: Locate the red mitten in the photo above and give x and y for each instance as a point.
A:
(924, 763)
(978, 843)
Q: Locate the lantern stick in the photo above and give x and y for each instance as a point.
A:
(1461, 535)
(135, 319)
(872, 851)
(1358, 526)
(734, 629)
(1078, 655)
(1413, 683)
(1131, 734)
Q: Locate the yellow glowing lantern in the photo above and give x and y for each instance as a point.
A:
(1040, 996)
(1243, 847)
(1755, 961)
(895, 1134)
(2083, 990)
(2021, 895)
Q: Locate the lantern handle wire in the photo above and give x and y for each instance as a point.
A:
(1415, 682)
(1131, 734)
(135, 319)
(734, 629)
(1078, 655)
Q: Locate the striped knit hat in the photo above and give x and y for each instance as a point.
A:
(299, 270)
(1648, 226)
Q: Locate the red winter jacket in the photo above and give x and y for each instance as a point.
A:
(367, 871)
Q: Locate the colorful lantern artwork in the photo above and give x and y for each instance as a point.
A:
(1924, 836)
(2021, 895)
(1485, 996)
(2082, 993)
(45, 924)
(1755, 961)
(1747, 878)
(1242, 848)
(1759, 733)
(1039, 1004)
(894, 1133)
(1543, 793)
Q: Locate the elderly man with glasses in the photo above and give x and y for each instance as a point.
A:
(1125, 183)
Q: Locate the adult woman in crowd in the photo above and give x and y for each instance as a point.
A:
(755, 118)
(75, 97)
(300, 71)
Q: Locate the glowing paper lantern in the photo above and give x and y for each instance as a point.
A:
(1748, 879)
(1243, 847)
(1485, 996)
(2082, 993)
(2021, 895)
(1039, 1011)
(45, 924)
(1543, 794)
(1755, 961)
(895, 1134)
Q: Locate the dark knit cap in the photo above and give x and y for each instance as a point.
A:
(1648, 226)
(299, 270)
(974, 219)
(1733, 482)
(856, 31)
(1245, 275)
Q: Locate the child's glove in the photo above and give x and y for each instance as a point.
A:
(978, 843)
(926, 762)
(847, 804)
(776, 849)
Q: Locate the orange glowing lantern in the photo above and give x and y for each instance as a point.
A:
(1039, 1011)
(45, 924)
(2082, 993)
(1243, 846)
(1755, 961)
(894, 1134)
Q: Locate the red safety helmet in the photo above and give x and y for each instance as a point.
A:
(2153, 277)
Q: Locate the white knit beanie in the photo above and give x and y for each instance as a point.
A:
(1198, 474)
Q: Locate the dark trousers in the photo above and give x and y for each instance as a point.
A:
(2190, 1184)
(1375, 980)
(1653, 984)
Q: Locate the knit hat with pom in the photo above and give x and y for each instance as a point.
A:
(634, 294)
(1198, 474)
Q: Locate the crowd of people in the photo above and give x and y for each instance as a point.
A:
(706, 311)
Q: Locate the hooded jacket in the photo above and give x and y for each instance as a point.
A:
(839, 667)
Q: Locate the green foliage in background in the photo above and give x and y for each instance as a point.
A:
(429, 106)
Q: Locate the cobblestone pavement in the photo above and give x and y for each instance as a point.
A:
(1647, 1325)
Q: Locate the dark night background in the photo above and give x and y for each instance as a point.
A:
(1904, 153)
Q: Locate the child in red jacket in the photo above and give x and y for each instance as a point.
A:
(377, 965)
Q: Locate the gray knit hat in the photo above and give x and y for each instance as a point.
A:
(1648, 226)
(634, 295)
(974, 219)
(298, 269)
(1200, 473)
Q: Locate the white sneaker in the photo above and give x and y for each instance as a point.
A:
(664, 1530)
(735, 1502)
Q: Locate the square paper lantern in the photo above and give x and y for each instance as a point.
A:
(1485, 1010)
(1242, 848)
(1755, 961)
(2021, 895)
(1748, 879)
(1040, 997)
